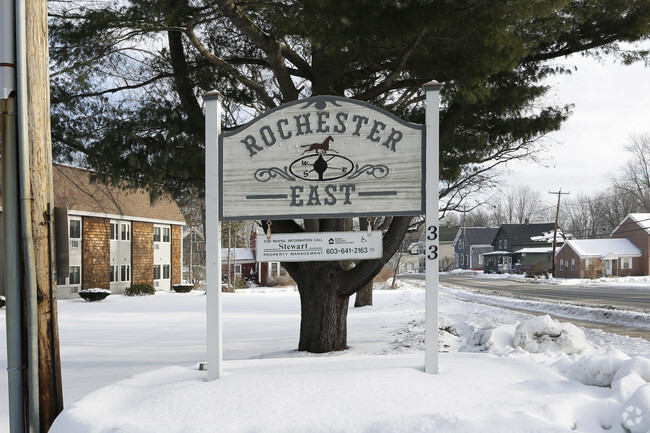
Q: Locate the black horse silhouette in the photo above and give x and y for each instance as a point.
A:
(317, 147)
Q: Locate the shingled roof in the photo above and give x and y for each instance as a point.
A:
(73, 188)
(480, 235)
(524, 233)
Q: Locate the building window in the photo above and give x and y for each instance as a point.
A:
(115, 231)
(275, 268)
(505, 244)
(75, 275)
(573, 265)
(126, 232)
(156, 272)
(466, 260)
(75, 229)
(113, 274)
(626, 263)
(125, 273)
(480, 259)
(166, 271)
(165, 237)
(156, 234)
(501, 244)
(561, 265)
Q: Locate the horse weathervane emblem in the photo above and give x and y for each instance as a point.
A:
(317, 147)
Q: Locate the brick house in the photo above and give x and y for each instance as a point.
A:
(636, 228)
(117, 237)
(591, 258)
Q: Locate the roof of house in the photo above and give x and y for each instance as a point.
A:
(586, 248)
(73, 188)
(527, 233)
(539, 250)
(447, 233)
(240, 255)
(478, 235)
(642, 219)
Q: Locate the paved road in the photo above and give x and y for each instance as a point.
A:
(622, 298)
(593, 295)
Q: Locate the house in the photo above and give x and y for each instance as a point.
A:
(636, 228)
(470, 244)
(117, 238)
(243, 264)
(590, 258)
(447, 236)
(412, 259)
(523, 248)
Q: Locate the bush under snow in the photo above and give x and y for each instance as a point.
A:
(543, 334)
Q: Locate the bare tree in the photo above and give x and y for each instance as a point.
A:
(515, 205)
(634, 176)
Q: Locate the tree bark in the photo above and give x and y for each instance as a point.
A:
(323, 323)
(363, 297)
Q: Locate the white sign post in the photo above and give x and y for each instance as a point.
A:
(432, 91)
(213, 236)
(321, 157)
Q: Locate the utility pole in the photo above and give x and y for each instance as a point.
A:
(557, 217)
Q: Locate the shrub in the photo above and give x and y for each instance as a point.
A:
(139, 290)
(280, 281)
(183, 288)
(92, 295)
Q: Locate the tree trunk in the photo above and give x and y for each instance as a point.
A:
(364, 296)
(323, 323)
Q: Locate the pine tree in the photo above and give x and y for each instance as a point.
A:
(128, 78)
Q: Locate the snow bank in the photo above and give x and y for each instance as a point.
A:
(148, 381)
(543, 334)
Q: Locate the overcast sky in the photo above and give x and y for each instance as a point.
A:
(612, 102)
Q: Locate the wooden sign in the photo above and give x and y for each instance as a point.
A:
(321, 246)
(322, 157)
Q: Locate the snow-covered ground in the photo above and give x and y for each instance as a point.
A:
(131, 365)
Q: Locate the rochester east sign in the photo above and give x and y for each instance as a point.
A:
(322, 157)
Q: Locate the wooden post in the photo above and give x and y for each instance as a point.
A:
(40, 151)
(432, 92)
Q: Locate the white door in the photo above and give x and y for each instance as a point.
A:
(608, 267)
(162, 257)
(120, 262)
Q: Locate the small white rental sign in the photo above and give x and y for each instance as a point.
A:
(305, 247)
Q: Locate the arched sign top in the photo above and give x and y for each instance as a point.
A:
(324, 156)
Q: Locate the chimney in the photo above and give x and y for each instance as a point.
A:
(448, 224)
(527, 221)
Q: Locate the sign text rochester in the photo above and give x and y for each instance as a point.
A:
(322, 156)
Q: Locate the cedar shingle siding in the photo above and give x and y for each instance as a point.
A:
(176, 254)
(95, 259)
(142, 253)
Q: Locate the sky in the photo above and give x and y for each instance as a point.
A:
(612, 102)
(131, 364)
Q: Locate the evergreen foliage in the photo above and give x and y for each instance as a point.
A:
(127, 80)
